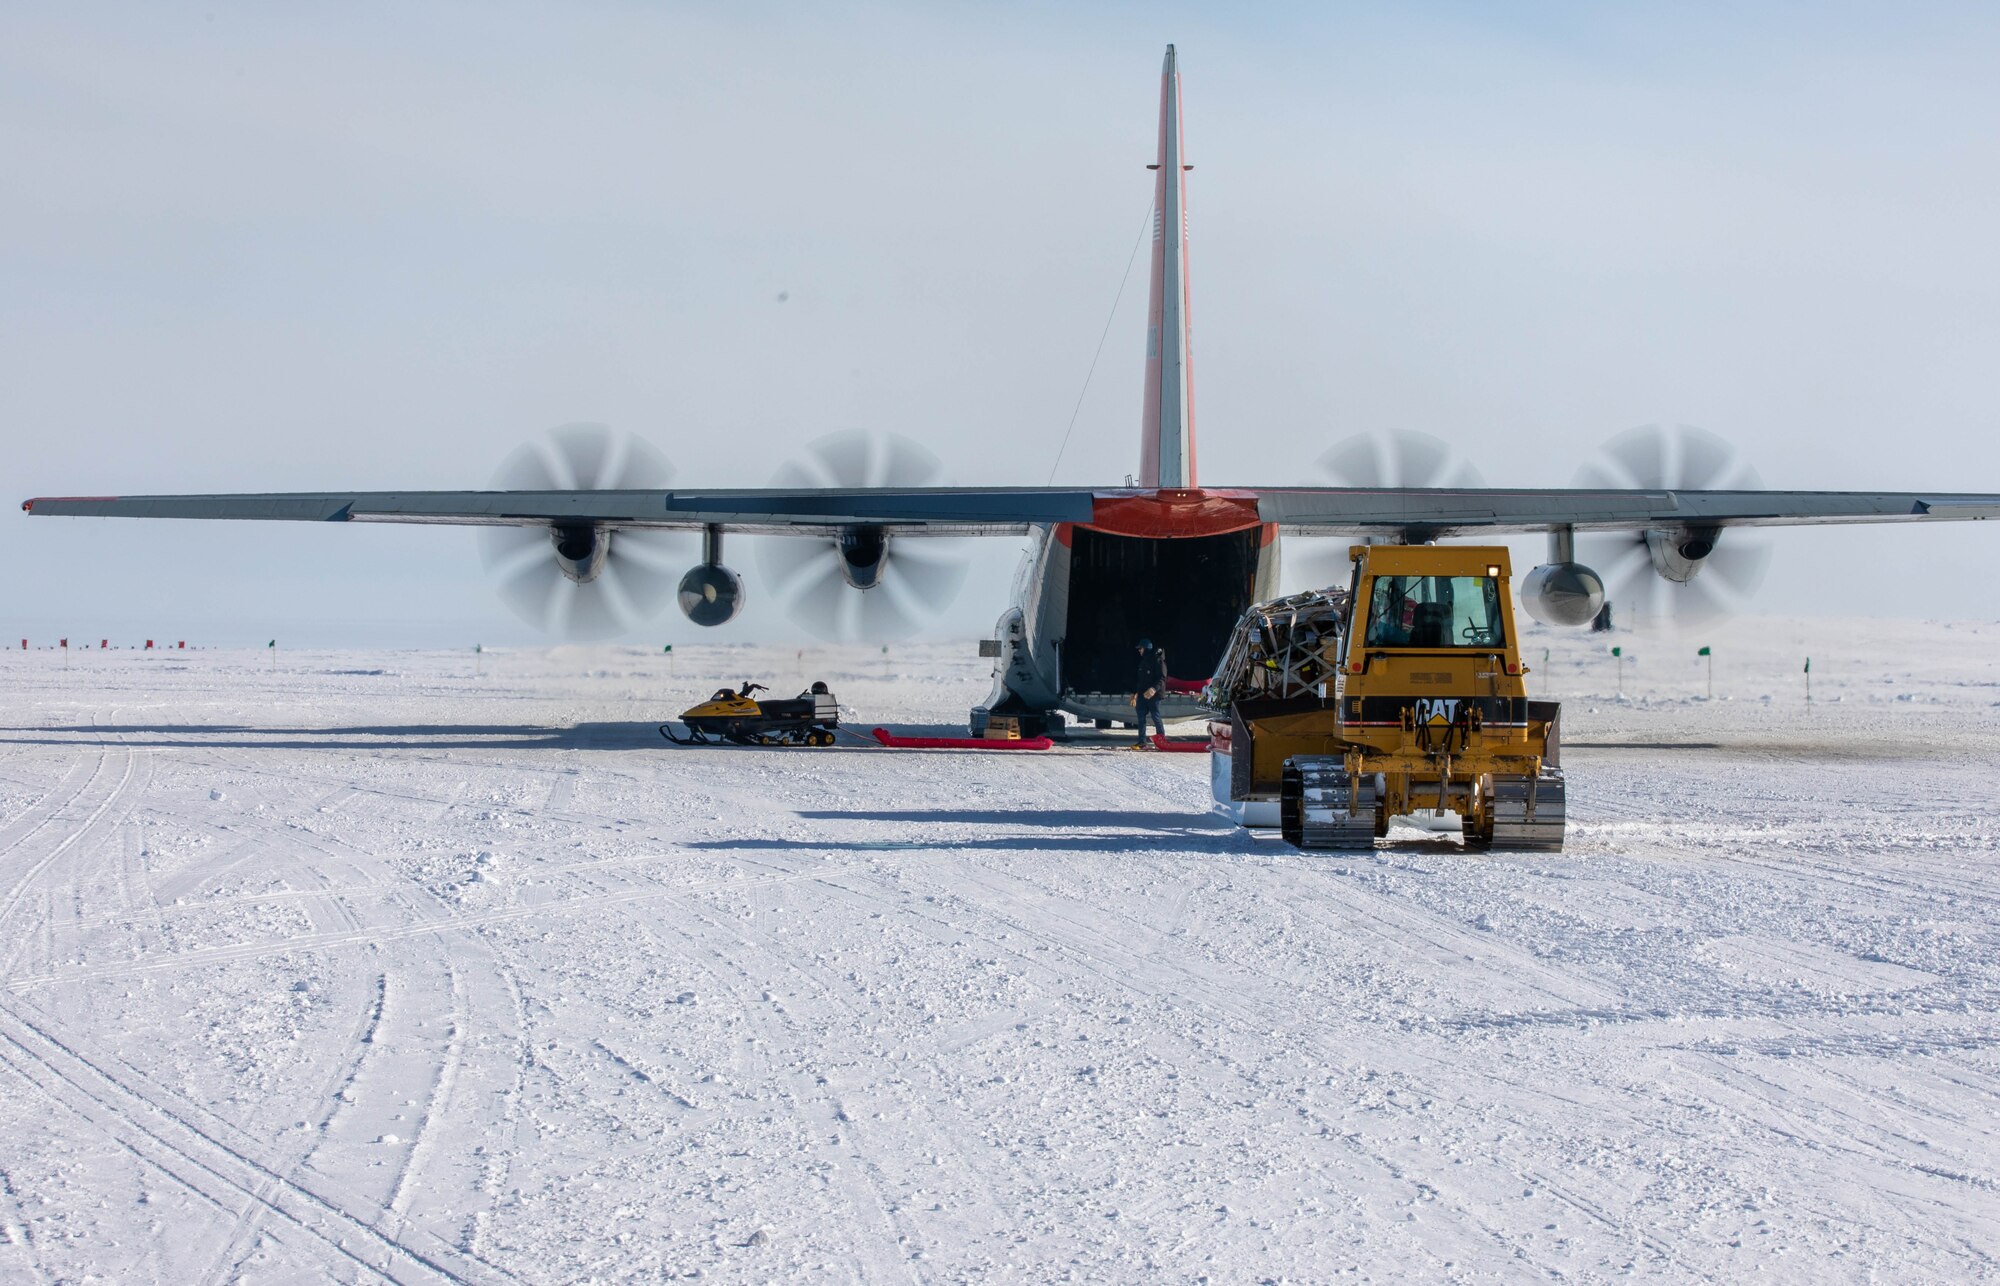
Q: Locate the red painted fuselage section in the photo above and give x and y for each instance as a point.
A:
(1171, 514)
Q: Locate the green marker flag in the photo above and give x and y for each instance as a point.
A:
(476, 647)
(1808, 665)
(1618, 651)
(1703, 652)
(668, 648)
(272, 643)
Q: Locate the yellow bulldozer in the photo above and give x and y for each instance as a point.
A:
(1400, 696)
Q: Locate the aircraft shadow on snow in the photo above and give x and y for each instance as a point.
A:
(1183, 839)
(1064, 818)
(636, 735)
(415, 736)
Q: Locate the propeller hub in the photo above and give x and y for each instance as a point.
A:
(1675, 574)
(906, 580)
(565, 577)
(1562, 594)
(862, 551)
(581, 551)
(711, 594)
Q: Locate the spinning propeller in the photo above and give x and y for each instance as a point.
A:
(863, 583)
(1653, 574)
(1381, 460)
(1395, 460)
(584, 582)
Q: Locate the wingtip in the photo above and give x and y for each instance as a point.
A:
(28, 505)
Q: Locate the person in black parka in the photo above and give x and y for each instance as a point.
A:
(1151, 685)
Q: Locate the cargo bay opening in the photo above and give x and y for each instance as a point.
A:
(1183, 593)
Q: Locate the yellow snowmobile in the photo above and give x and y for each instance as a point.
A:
(739, 719)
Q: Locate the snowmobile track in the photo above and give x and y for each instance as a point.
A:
(206, 1164)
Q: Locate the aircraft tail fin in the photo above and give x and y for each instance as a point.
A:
(1166, 456)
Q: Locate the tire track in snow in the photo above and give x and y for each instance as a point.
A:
(24, 825)
(242, 1236)
(275, 836)
(1054, 921)
(1051, 922)
(130, 885)
(1783, 1025)
(1398, 921)
(410, 795)
(452, 924)
(15, 1235)
(99, 811)
(401, 1188)
(423, 1143)
(201, 1160)
(467, 1178)
(276, 844)
(1805, 1117)
(416, 1182)
(726, 948)
(811, 1098)
(1827, 1130)
(107, 869)
(1733, 1008)
(183, 906)
(938, 1137)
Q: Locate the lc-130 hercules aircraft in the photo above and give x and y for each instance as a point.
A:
(1167, 559)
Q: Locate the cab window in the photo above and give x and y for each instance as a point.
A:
(1434, 611)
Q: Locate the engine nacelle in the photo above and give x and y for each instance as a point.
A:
(580, 551)
(1562, 594)
(1678, 553)
(711, 594)
(863, 554)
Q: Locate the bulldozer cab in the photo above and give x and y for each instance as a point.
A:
(1432, 619)
(1435, 611)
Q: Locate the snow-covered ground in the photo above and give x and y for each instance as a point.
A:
(377, 965)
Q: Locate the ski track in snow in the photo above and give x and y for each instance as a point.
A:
(366, 967)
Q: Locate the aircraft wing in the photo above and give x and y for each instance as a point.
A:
(1432, 513)
(924, 511)
(1404, 513)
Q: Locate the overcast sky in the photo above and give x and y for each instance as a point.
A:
(377, 246)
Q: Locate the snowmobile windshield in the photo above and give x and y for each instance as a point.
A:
(1435, 611)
